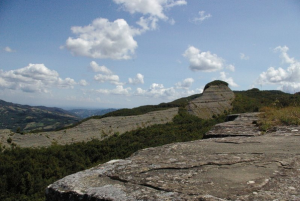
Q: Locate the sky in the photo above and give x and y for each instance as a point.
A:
(128, 53)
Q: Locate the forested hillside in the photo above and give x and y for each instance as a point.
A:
(24, 118)
(25, 173)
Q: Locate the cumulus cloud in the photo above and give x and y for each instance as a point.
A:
(202, 16)
(149, 23)
(149, 7)
(99, 69)
(243, 56)
(229, 80)
(8, 49)
(103, 39)
(230, 67)
(153, 9)
(119, 90)
(203, 61)
(83, 83)
(287, 78)
(33, 78)
(139, 79)
(157, 91)
(113, 79)
(185, 84)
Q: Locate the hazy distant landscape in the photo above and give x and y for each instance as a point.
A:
(85, 113)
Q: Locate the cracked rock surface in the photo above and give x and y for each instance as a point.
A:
(265, 167)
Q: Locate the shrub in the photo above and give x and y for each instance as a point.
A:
(272, 116)
(9, 140)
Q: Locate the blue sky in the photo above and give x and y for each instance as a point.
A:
(127, 53)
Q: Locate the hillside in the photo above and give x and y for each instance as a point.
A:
(125, 120)
(24, 118)
(24, 175)
(85, 113)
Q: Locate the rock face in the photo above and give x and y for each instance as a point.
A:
(214, 101)
(264, 167)
(91, 129)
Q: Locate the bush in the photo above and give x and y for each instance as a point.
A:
(9, 140)
(273, 116)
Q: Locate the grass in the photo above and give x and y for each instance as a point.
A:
(272, 117)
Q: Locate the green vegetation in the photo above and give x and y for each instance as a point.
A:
(273, 116)
(215, 83)
(278, 108)
(253, 100)
(25, 173)
(182, 102)
(24, 118)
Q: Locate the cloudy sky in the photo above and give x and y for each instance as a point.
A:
(127, 53)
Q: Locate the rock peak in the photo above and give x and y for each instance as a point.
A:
(216, 100)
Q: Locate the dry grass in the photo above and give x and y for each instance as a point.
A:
(272, 117)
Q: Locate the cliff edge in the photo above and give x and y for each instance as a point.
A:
(253, 167)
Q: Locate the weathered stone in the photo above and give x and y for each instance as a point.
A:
(91, 129)
(214, 101)
(264, 167)
(238, 125)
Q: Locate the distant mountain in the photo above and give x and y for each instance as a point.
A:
(25, 118)
(85, 113)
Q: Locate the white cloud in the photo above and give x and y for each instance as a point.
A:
(230, 67)
(173, 3)
(287, 79)
(154, 9)
(284, 56)
(202, 17)
(102, 69)
(229, 80)
(243, 56)
(103, 39)
(157, 91)
(119, 90)
(8, 49)
(185, 84)
(140, 91)
(139, 79)
(204, 61)
(149, 7)
(33, 78)
(149, 23)
(113, 79)
(83, 83)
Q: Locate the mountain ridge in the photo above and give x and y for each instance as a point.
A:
(25, 118)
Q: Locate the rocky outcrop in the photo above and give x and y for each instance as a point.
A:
(214, 101)
(236, 125)
(88, 130)
(264, 167)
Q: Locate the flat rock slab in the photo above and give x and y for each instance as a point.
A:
(262, 167)
(237, 125)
